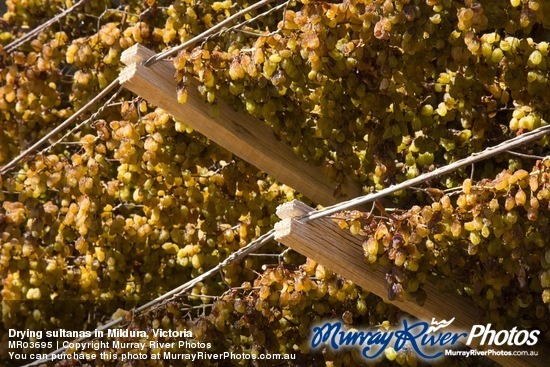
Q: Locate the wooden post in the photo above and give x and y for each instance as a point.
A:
(247, 137)
(325, 242)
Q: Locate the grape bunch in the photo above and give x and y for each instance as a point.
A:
(487, 242)
(112, 223)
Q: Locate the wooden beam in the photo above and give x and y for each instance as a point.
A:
(325, 242)
(247, 137)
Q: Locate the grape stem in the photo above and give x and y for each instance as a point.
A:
(523, 155)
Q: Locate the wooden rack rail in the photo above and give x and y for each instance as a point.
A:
(325, 242)
(245, 136)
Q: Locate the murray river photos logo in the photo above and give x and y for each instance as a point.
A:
(428, 341)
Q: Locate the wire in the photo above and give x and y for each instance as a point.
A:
(8, 167)
(476, 157)
(218, 27)
(251, 20)
(77, 127)
(18, 42)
